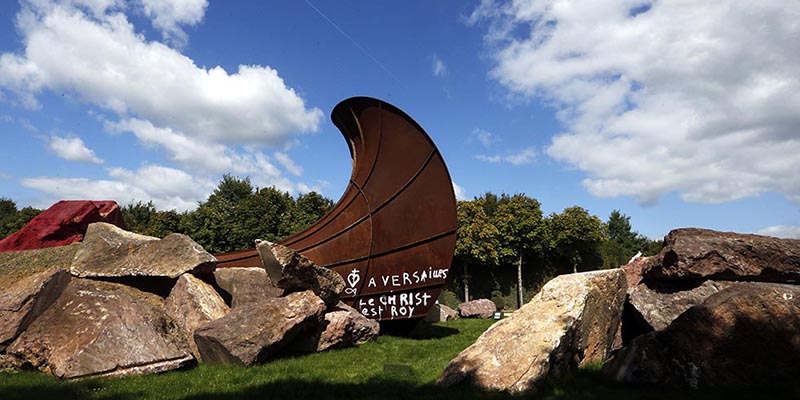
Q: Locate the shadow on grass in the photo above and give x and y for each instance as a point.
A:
(427, 331)
(47, 387)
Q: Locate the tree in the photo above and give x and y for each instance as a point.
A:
(623, 242)
(575, 239)
(478, 239)
(308, 208)
(12, 219)
(522, 232)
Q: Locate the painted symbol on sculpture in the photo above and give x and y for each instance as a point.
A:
(353, 279)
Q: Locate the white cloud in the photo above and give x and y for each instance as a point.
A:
(72, 149)
(781, 231)
(487, 139)
(168, 188)
(460, 193)
(695, 97)
(522, 157)
(168, 15)
(288, 164)
(439, 68)
(106, 63)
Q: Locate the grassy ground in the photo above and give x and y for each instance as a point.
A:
(391, 368)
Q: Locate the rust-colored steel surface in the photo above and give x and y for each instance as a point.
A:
(393, 232)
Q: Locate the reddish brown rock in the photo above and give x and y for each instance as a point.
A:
(481, 308)
(292, 271)
(246, 285)
(108, 251)
(705, 254)
(634, 270)
(63, 223)
(659, 303)
(102, 329)
(343, 326)
(252, 332)
(743, 336)
(570, 322)
(193, 303)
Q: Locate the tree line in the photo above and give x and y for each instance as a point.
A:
(506, 248)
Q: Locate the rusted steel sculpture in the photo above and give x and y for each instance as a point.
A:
(393, 232)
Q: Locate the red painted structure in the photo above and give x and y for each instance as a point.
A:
(63, 223)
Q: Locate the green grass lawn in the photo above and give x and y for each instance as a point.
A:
(357, 373)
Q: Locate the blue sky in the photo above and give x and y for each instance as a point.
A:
(678, 114)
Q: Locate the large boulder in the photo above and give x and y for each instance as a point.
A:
(27, 298)
(63, 223)
(570, 322)
(744, 336)
(659, 303)
(481, 308)
(705, 254)
(108, 251)
(343, 326)
(246, 285)
(440, 313)
(292, 271)
(30, 281)
(252, 332)
(102, 329)
(193, 303)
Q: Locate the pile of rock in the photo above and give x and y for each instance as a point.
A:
(480, 308)
(121, 303)
(711, 310)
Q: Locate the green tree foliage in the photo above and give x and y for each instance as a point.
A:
(522, 233)
(478, 240)
(13, 219)
(575, 237)
(623, 242)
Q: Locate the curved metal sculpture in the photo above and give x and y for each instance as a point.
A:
(393, 232)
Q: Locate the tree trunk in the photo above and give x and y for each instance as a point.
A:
(519, 282)
(466, 283)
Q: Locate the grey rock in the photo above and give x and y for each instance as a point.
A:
(193, 303)
(246, 285)
(343, 326)
(743, 336)
(102, 329)
(252, 332)
(481, 308)
(659, 303)
(441, 313)
(292, 271)
(570, 322)
(108, 251)
(22, 302)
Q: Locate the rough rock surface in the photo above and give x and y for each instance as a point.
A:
(292, 271)
(746, 335)
(343, 326)
(701, 253)
(252, 332)
(659, 303)
(246, 285)
(481, 308)
(26, 299)
(440, 313)
(102, 329)
(108, 251)
(570, 322)
(63, 223)
(193, 303)
(634, 271)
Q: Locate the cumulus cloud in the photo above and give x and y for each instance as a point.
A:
(460, 193)
(522, 157)
(695, 97)
(288, 164)
(439, 67)
(72, 149)
(781, 231)
(169, 15)
(168, 188)
(486, 138)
